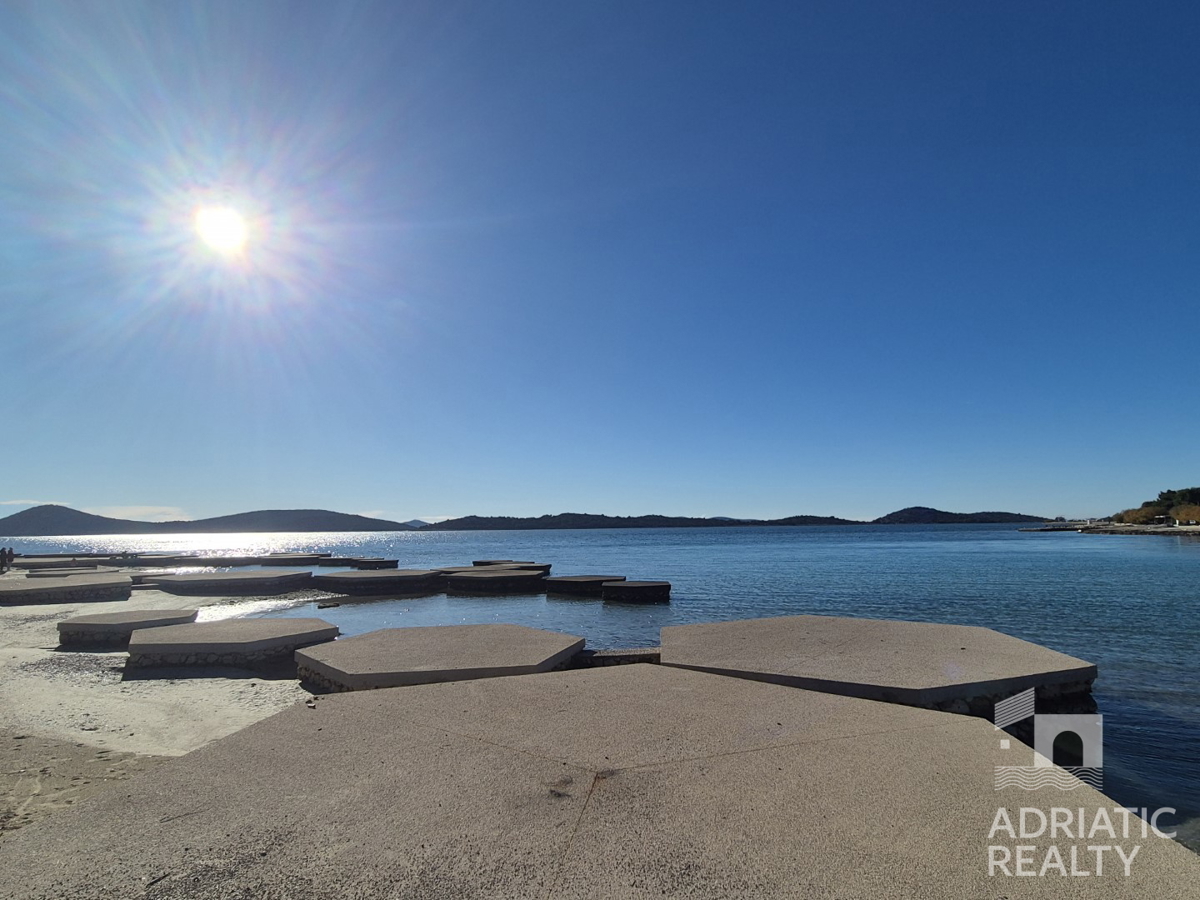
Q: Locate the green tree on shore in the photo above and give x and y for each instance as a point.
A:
(1182, 505)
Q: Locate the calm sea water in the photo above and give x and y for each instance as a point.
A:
(1129, 604)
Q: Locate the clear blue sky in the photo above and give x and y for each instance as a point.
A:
(694, 258)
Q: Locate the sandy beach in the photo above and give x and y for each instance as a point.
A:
(73, 724)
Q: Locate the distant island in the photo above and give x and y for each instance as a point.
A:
(923, 515)
(589, 520)
(54, 521)
(50, 520)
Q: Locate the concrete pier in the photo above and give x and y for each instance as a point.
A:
(630, 781)
(245, 643)
(233, 584)
(496, 579)
(590, 585)
(636, 591)
(115, 629)
(78, 570)
(292, 559)
(380, 581)
(958, 668)
(71, 589)
(374, 562)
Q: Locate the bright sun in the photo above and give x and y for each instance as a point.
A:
(222, 228)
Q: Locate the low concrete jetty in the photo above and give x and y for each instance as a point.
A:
(374, 562)
(292, 559)
(957, 668)
(396, 657)
(114, 629)
(51, 562)
(544, 568)
(636, 591)
(496, 580)
(380, 582)
(79, 570)
(589, 585)
(245, 643)
(71, 589)
(234, 584)
(629, 781)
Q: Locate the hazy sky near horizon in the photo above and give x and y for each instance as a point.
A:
(692, 258)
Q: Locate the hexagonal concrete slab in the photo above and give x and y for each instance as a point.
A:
(233, 584)
(497, 580)
(405, 656)
(69, 589)
(957, 667)
(381, 581)
(627, 782)
(291, 559)
(114, 629)
(65, 573)
(229, 642)
(623, 591)
(580, 584)
(544, 568)
(374, 562)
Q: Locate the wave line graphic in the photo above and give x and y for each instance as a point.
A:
(1030, 778)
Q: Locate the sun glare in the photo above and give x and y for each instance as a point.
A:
(222, 228)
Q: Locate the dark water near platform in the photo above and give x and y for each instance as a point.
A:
(1129, 604)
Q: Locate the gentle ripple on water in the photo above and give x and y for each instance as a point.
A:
(1129, 604)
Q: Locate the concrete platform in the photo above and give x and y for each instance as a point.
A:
(227, 561)
(114, 629)
(51, 562)
(67, 572)
(406, 656)
(374, 562)
(959, 668)
(497, 580)
(544, 568)
(235, 584)
(380, 581)
(636, 591)
(157, 560)
(72, 589)
(591, 585)
(624, 782)
(292, 559)
(359, 562)
(248, 643)
(144, 576)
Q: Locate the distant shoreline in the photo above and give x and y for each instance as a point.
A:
(62, 521)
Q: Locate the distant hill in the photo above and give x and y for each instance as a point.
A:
(62, 520)
(49, 521)
(923, 515)
(591, 520)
